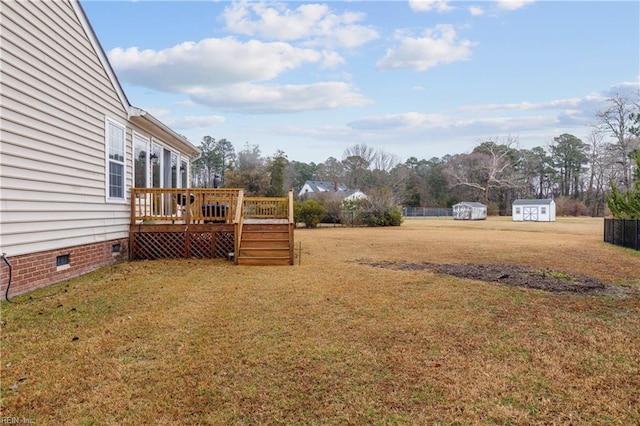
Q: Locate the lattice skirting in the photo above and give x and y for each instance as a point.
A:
(197, 244)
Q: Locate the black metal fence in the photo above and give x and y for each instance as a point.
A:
(622, 232)
(426, 212)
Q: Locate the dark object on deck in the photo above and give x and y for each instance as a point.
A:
(214, 213)
(182, 199)
(216, 181)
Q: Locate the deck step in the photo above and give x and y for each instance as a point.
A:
(264, 252)
(265, 244)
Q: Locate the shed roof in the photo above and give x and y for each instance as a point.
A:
(470, 204)
(539, 202)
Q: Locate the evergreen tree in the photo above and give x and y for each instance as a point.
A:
(276, 169)
(626, 206)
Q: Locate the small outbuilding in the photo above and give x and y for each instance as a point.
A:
(469, 211)
(543, 210)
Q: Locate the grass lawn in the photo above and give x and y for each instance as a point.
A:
(334, 340)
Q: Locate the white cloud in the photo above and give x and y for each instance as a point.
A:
(194, 121)
(312, 24)
(225, 73)
(627, 88)
(524, 106)
(263, 99)
(476, 10)
(403, 120)
(429, 5)
(210, 62)
(331, 59)
(158, 112)
(513, 4)
(437, 46)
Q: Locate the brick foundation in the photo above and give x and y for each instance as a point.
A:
(37, 270)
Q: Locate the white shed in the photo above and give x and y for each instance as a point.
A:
(469, 211)
(543, 210)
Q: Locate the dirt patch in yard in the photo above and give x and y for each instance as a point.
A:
(518, 276)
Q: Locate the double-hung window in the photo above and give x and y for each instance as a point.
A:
(115, 144)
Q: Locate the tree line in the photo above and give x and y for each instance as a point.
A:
(579, 174)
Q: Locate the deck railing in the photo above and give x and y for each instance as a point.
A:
(198, 205)
(279, 208)
(188, 205)
(156, 212)
(238, 227)
(266, 207)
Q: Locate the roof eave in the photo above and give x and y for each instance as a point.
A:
(148, 122)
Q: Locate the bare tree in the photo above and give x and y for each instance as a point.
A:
(331, 170)
(489, 167)
(594, 197)
(617, 121)
(366, 153)
(384, 161)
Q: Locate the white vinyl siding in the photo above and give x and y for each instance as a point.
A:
(55, 96)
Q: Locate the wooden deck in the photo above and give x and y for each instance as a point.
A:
(211, 223)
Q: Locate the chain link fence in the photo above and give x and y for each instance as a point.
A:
(427, 212)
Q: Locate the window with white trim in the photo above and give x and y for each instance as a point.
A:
(543, 210)
(115, 147)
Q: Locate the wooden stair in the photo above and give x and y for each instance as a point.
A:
(266, 244)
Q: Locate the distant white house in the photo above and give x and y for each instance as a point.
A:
(469, 211)
(314, 187)
(543, 210)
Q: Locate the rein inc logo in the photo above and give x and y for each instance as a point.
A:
(17, 421)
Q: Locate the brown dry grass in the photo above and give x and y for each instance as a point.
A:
(334, 341)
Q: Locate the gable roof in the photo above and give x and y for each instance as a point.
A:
(353, 193)
(538, 202)
(470, 204)
(135, 114)
(322, 186)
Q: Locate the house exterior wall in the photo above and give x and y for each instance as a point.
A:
(56, 96)
(37, 270)
(306, 189)
(358, 195)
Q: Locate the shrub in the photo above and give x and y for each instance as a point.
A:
(310, 212)
(493, 209)
(390, 217)
(570, 207)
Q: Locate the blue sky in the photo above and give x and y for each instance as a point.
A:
(413, 78)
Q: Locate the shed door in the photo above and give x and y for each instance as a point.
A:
(530, 213)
